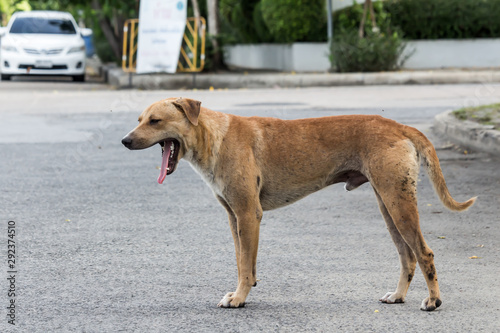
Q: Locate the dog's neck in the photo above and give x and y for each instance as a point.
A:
(206, 140)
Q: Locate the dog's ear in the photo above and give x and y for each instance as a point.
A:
(190, 107)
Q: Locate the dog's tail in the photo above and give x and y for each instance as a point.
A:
(431, 163)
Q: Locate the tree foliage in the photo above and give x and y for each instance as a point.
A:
(350, 17)
(432, 19)
(9, 7)
(429, 19)
(273, 21)
(242, 21)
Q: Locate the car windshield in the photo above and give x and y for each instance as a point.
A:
(40, 25)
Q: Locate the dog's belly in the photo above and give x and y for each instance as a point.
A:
(272, 197)
(276, 195)
(269, 201)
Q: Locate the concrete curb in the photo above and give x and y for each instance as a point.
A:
(467, 133)
(121, 80)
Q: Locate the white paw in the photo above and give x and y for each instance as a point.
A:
(391, 298)
(225, 301)
(231, 301)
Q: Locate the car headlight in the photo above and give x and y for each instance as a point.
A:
(74, 49)
(9, 48)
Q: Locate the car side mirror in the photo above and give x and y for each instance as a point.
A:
(3, 31)
(85, 32)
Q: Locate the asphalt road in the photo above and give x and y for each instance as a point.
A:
(101, 247)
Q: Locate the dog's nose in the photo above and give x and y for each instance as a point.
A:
(127, 142)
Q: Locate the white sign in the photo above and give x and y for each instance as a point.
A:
(161, 27)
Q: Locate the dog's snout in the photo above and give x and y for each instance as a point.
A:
(127, 142)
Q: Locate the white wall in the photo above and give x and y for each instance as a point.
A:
(300, 57)
(313, 57)
(458, 53)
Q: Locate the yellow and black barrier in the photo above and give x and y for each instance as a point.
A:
(192, 55)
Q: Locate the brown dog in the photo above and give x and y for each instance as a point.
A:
(256, 164)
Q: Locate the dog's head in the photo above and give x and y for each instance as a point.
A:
(167, 123)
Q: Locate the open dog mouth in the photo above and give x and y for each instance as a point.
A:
(170, 152)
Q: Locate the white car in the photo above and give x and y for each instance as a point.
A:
(42, 43)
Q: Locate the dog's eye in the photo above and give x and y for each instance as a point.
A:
(154, 121)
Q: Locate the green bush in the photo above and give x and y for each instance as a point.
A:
(373, 53)
(295, 20)
(432, 19)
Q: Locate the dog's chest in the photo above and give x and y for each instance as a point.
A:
(208, 177)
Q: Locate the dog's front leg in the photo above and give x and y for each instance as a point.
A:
(246, 240)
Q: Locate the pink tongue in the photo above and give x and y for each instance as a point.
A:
(164, 163)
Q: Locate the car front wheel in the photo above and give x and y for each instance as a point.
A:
(6, 77)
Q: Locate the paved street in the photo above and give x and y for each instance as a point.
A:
(101, 247)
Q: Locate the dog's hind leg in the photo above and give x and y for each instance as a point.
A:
(398, 193)
(406, 257)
